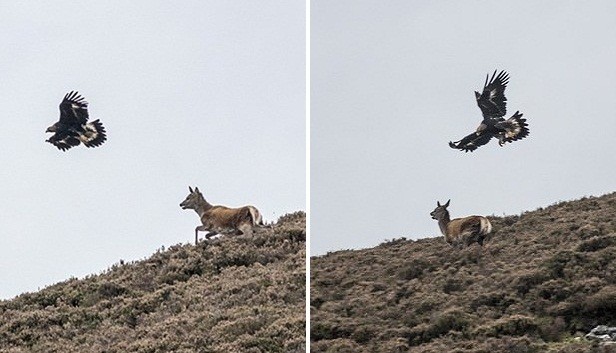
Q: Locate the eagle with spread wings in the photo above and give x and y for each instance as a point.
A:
(73, 127)
(493, 105)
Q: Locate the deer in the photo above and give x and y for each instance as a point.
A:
(459, 231)
(221, 219)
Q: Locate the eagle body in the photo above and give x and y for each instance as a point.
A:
(493, 105)
(73, 127)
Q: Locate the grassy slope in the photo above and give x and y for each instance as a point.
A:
(233, 294)
(543, 278)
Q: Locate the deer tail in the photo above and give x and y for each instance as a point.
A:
(257, 219)
(485, 226)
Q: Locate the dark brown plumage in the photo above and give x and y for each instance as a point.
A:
(73, 127)
(493, 105)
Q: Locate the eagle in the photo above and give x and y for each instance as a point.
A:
(73, 127)
(493, 105)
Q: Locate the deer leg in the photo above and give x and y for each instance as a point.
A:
(480, 262)
(470, 240)
(480, 240)
(210, 234)
(460, 243)
(199, 228)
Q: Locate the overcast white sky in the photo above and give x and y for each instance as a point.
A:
(205, 93)
(392, 82)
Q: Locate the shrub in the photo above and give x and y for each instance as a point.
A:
(528, 293)
(588, 231)
(601, 304)
(263, 344)
(498, 300)
(523, 283)
(108, 290)
(363, 334)
(316, 302)
(513, 345)
(554, 290)
(415, 268)
(174, 301)
(557, 263)
(450, 320)
(597, 243)
(452, 285)
(322, 331)
(552, 329)
(514, 325)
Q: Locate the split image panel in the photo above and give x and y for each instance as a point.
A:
(445, 137)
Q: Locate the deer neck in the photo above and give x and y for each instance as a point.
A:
(443, 222)
(202, 207)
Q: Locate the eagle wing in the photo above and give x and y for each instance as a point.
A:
(513, 129)
(73, 109)
(64, 140)
(492, 100)
(472, 141)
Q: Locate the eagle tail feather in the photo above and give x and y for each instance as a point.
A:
(515, 128)
(94, 134)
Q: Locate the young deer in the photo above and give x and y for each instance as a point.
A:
(221, 219)
(460, 231)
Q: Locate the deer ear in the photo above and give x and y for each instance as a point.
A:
(190, 189)
(196, 189)
(438, 204)
(447, 204)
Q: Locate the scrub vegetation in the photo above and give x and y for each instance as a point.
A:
(232, 294)
(542, 280)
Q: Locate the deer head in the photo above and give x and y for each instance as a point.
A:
(193, 199)
(440, 211)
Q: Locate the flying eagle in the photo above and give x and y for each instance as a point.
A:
(493, 105)
(73, 127)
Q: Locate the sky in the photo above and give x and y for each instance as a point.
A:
(201, 93)
(392, 83)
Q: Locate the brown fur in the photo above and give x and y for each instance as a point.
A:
(460, 231)
(221, 219)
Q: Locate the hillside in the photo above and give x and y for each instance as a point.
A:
(544, 278)
(233, 294)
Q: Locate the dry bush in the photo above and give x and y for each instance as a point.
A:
(597, 243)
(415, 269)
(233, 294)
(452, 319)
(515, 325)
(541, 279)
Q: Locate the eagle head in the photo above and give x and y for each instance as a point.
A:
(52, 128)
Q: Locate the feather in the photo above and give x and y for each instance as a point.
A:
(492, 100)
(73, 127)
(493, 105)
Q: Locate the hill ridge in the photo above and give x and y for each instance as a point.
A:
(229, 294)
(543, 278)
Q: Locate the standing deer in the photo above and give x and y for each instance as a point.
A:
(461, 230)
(221, 219)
